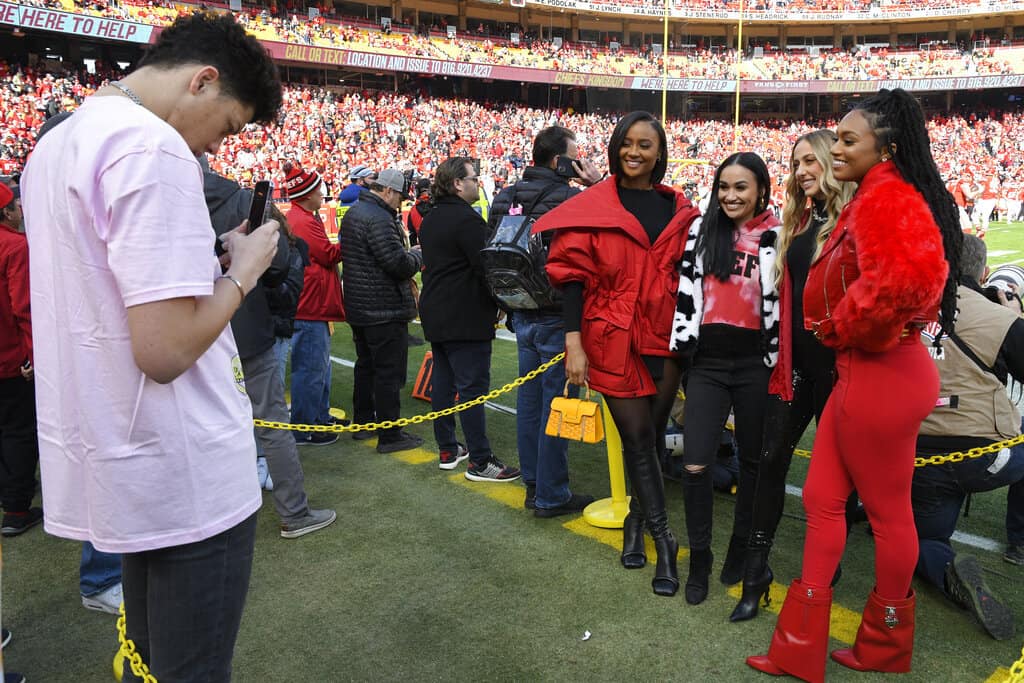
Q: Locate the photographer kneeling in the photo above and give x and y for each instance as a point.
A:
(973, 411)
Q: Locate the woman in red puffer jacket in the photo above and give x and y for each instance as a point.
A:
(887, 269)
(615, 255)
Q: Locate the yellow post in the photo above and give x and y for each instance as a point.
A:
(608, 513)
(664, 67)
(739, 79)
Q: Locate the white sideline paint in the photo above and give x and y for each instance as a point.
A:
(958, 536)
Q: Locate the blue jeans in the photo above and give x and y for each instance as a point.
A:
(544, 459)
(98, 570)
(463, 368)
(939, 491)
(311, 373)
(282, 350)
(183, 605)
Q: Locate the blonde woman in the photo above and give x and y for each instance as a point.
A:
(803, 377)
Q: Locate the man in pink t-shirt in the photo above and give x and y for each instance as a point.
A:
(145, 429)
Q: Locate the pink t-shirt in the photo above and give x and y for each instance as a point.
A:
(115, 217)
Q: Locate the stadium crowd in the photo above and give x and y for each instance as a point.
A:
(337, 131)
(282, 24)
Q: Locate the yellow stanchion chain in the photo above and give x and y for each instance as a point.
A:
(1017, 670)
(415, 419)
(129, 653)
(955, 456)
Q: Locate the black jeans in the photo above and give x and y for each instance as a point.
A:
(19, 448)
(382, 358)
(463, 368)
(938, 493)
(713, 386)
(784, 424)
(183, 605)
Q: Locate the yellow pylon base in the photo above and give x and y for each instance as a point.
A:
(606, 513)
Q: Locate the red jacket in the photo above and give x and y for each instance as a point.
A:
(629, 285)
(321, 297)
(15, 321)
(882, 267)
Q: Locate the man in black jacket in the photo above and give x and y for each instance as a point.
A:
(253, 327)
(540, 335)
(377, 270)
(458, 316)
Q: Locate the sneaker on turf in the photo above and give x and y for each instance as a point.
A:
(15, 523)
(965, 583)
(315, 438)
(576, 503)
(449, 460)
(108, 601)
(492, 470)
(314, 520)
(1014, 554)
(405, 442)
(11, 677)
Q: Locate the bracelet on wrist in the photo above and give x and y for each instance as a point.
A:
(241, 290)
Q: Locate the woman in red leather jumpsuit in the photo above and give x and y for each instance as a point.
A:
(888, 268)
(615, 255)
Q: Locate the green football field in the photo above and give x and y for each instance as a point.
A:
(427, 576)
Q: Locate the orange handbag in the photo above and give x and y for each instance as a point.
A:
(578, 419)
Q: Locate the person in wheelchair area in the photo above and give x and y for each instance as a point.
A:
(985, 347)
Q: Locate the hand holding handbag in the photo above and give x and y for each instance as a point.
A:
(578, 419)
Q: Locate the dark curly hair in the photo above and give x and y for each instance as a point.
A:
(246, 71)
(898, 123)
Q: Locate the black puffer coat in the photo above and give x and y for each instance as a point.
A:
(376, 267)
(541, 181)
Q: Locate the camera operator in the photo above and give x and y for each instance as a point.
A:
(973, 411)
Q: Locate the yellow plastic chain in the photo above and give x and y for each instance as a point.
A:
(415, 419)
(956, 456)
(130, 654)
(1017, 670)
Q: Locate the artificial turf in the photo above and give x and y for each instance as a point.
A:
(428, 577)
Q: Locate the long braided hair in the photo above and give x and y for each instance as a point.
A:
(898, 122)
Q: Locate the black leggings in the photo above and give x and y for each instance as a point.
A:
(784, 424)
(641, 423)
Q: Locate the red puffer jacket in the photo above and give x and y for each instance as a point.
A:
(629, 284)
(882, 268)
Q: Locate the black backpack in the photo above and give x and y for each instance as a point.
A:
(514, 262)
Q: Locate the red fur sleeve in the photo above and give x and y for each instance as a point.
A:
(901, 262)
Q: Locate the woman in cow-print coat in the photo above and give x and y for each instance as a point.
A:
(727, 318)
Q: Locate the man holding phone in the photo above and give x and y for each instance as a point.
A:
(540, 335)
(130, 304)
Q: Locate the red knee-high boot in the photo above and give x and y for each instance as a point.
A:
(885, 639)
(800, 642)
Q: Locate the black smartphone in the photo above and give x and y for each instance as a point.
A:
(565, 168)
(259, 210)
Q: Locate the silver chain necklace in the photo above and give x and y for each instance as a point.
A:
(818, 218)
(129, 93)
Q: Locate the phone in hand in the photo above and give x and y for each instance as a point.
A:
(565, 167)
(259, 210)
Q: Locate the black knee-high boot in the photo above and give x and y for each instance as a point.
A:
(645, 475)
(698, 498)
(634, 555)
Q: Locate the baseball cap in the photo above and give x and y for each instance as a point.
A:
(393, 178)
(360, 172)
